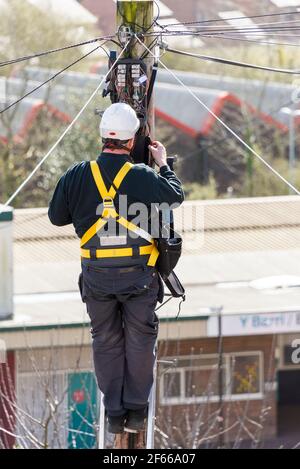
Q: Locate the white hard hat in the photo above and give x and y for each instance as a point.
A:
(119, 122)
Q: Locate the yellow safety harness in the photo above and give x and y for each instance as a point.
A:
(109, 211)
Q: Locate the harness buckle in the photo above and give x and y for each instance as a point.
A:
(108, 202)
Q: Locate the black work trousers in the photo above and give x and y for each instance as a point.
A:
(121, 306)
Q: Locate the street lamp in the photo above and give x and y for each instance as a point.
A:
(292, 113)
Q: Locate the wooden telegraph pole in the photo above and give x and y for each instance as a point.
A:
(138, 17)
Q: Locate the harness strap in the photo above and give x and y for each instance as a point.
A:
(110, 212)
(104, 193)
(153, 256)
(117, 252)
(92, 231)
(137, 230)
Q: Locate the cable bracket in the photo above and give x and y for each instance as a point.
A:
(125, 34)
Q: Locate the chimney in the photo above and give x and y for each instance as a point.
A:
(6, 262)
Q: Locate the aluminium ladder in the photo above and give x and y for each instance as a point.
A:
(106, 440)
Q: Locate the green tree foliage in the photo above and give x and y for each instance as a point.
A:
(25, 29)
(264, 183)
(19, 158)
(196, 191)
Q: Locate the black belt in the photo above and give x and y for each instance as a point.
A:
(119, 270)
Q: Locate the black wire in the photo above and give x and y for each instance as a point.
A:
(263, 27)
(151, 46)
(158, 14)
(48, 80)
(101, 47)
(254, 32)
(167, 301)
(125, 21)
(266, 29)
(217, 20)
(256, 25)
(233, 62)
(261, 42)
(272, 24)
(237, 34)
(179, 307)
(235, 31)
(164, 303)
(51, 51)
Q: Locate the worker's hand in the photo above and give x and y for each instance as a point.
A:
(159, 153)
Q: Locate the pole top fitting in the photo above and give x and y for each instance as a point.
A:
(124, 34)
(163, 45)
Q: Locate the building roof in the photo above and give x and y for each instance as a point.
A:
(61, 101)
(193, 119)
(28, 111)
(72, 80)
(269, 99)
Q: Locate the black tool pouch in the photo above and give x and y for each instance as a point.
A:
(169, 253)
(81, 288)
(173, 283)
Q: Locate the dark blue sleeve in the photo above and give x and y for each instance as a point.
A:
(163, 187)
(169, 186)
(58, 212)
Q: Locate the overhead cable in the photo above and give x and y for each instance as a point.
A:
(218, 33)
(217, 20)
(52, 51)
(233, 62)
(250, 29)
(49, 80)
(278, 25)
(254, 41)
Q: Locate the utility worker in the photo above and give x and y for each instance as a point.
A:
(119, 282)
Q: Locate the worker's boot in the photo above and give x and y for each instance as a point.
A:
(116, 423)
(135, 420)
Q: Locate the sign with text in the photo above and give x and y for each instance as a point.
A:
(255, 323)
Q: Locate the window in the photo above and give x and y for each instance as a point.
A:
(196, 378)
(245, 374)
